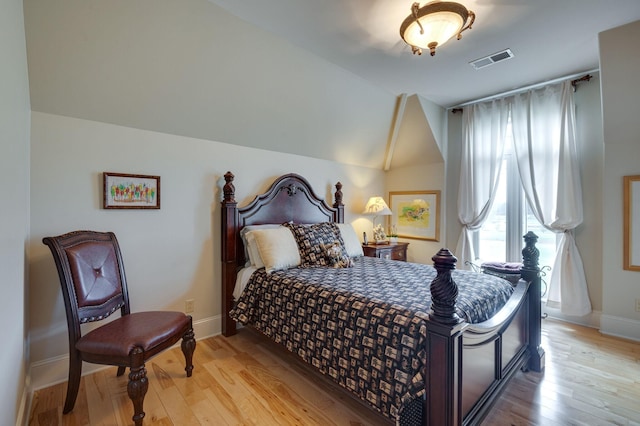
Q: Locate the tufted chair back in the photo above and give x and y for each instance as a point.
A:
(92, 270)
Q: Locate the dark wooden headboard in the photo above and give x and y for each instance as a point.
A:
(289, 199)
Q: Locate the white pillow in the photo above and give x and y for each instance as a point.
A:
(252, 248)
(351, 242)
(277, 247)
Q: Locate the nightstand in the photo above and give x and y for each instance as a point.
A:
(393, 251)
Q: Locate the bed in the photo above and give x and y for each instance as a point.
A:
(439, 366)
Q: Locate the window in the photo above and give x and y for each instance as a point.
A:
(500, 238)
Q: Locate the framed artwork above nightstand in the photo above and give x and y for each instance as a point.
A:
(393, 251)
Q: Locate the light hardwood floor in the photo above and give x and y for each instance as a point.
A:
(590, 379)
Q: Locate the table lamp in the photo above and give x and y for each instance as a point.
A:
(377, 207)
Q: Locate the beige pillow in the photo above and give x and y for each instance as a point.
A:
(277, 247)
(243, 234)
(351, 242)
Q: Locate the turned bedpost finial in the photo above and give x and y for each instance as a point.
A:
(338, 215)
(444, 291)
(531, 272)
(229, 190)
(530, 252)
(338, 195)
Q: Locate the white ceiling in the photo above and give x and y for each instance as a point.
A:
(550, 39)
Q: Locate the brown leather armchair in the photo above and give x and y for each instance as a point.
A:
(94, 286)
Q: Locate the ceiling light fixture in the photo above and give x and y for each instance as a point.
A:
(434, 23)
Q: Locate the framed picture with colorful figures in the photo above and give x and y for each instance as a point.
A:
(415, 214)
(129, 191)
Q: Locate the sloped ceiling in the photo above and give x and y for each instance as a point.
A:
(420, 137)
(190, 68)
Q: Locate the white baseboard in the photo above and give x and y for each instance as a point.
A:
(620, 327)
(207, 327)
(55, 370)
(607, 324)
(25, 404)
(591, 320)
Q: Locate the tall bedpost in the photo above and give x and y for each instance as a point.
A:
(338, 216)
(229, 212)
(443, 375)
(531, 272)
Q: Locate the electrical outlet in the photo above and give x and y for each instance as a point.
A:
(189, 306)
(637, 305)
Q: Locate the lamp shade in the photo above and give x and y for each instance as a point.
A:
(436, 27)
(377, 207)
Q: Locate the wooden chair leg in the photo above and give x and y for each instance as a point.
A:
(138, 385)
(121, 370)
(188, 347)
(75, 373)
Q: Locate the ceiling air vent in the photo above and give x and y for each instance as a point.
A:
(492, 59)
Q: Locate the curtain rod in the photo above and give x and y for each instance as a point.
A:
(584, 76)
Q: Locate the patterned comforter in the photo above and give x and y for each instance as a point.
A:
(362, 326)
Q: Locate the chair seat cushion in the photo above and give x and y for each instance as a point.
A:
(146, 330)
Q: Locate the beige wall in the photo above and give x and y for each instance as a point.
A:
(421, 178)
(171, 254)
(619, 62)
(14, 208)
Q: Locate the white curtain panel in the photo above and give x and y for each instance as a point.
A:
(484, 129)
(544, 136)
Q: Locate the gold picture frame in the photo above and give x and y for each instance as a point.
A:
(415, 214)
(631, 227)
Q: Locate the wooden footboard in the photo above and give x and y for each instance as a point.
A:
(467, 365)
(479, 359)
